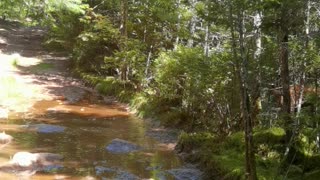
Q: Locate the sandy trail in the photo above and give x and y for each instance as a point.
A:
(29, 73)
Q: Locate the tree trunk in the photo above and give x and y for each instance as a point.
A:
(192, 24)
(316, 111)
(236, 65)
(303, 76)
(285, 82)
(178, 26)
(124, 34)
(248, 124)
(206, 41)
(148, 63)
(257, 55)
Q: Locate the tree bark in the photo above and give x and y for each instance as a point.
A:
(257, 55)
(206, 41)
(178, 25)
(304, 64)
(124, 34)
(192, 24)
(285, 81)
(148, 63)
(246, 112)
(316, 110)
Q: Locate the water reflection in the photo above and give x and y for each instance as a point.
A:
(89, 128)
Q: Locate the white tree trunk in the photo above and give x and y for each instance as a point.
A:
(178, 25)
(206, 41)
(192, 24)
(303, 76)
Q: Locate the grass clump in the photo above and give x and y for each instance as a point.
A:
(110, 86)
(42, 67)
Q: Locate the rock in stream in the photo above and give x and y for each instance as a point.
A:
(27, 164)
(117, 173)
(119, 146)
(186, 173)
(5, 138)
(46, 128)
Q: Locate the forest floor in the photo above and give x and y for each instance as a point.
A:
(29, 73)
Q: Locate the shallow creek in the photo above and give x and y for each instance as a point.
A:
(71, 132)
(86, 129)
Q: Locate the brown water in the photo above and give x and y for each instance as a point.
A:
(89, 129)
(90, 126)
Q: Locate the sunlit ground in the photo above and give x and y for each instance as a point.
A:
(35, 88)
(16, 92)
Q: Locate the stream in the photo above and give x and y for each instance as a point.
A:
(53, 127)
(85, 132)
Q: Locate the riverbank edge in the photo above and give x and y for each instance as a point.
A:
(169, 136)
(216, 157)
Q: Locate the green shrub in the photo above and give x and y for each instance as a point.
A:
(141, 104)
(235, 141)
(108, 86)
(269, 136)
(189, 141)
(314, 175)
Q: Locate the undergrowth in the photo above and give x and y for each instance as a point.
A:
(220, 157)
(109, 86)
(224, 157)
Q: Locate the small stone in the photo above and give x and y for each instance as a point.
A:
(119, 146)
(186, 174)
(45, 128)
(122, 175)
(152, 168)
(49, 157)
(101, 170)
(52, 168)
(5, 138)
(24, 159)
(160, 175)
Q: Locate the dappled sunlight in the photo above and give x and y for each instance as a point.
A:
(17, 93)
(44, 110)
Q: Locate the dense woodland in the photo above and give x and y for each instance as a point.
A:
(239, 77)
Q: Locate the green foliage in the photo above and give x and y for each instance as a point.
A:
(110, 86)
(141, 104)
(235, 141)
(172, 80)
(314, 175)
(132, 56)
(224, 157)
(188, 141)
(230, 163)
(92, 45)
(62, 18)
(14, 9)
(186, 82)
(271, 136)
